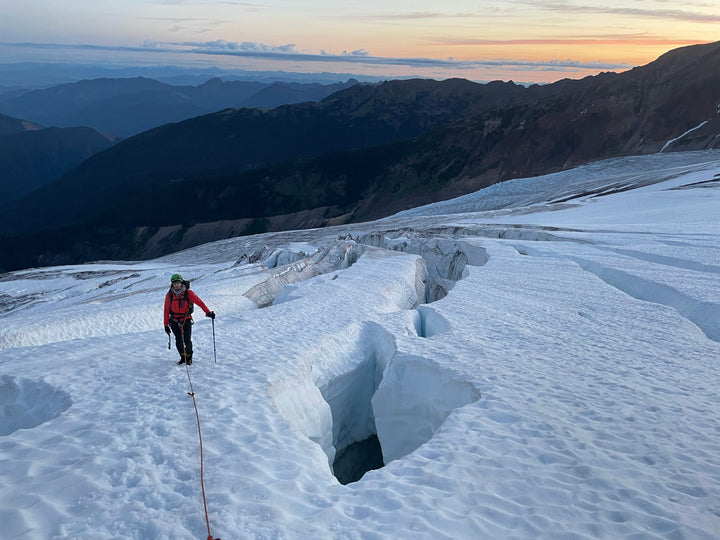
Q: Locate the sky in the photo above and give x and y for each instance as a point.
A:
(482, 40)
(566, 386)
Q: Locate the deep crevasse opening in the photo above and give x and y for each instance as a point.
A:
(353, 421)
(360, 397)
(412, 402)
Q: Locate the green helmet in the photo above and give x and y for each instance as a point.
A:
(176, 277)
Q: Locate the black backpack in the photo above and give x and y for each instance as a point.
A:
(191, 306)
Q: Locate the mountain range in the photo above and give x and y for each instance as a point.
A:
(32, 156)
(89, 116)
(364, 152)
(128, 106)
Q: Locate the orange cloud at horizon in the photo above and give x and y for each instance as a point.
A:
(630, 50)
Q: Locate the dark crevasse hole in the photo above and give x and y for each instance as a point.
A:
(380, 415)
(331, 402)
(365, 405)
(354, 461)
(354, 436)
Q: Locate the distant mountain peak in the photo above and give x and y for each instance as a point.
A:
(30, 126)
(10, 125)
(214, 82)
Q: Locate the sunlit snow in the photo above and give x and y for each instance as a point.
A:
(537, 360)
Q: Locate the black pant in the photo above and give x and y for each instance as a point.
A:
(182, 331)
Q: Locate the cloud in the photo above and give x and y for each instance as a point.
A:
(551, 5)
(200, 2)
(245, 46)
(604, 40)
(363, 56)
(670, 14)
(411, 16)
(358, 52)
(359, 56)
(422, 15)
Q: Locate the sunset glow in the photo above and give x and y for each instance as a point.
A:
(526, 41)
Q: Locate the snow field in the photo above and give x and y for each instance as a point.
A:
(534, 370)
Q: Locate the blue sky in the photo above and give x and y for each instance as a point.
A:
(526, 41)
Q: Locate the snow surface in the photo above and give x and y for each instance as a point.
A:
(538, 360)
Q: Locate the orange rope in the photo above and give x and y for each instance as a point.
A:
(191, 393)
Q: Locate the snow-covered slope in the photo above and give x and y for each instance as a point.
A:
(539, 359)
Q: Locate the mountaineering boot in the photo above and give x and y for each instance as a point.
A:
(189, 359)
(182, 359)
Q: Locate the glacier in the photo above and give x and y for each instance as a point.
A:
(537, 359)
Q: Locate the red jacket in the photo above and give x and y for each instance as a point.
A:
(179, 305)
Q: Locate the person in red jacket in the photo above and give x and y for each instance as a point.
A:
(179, 304)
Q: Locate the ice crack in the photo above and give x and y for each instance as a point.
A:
(360, 397)
(329, 259)
(705, 315)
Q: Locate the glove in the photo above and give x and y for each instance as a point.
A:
(210, 314)
(167, 330)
